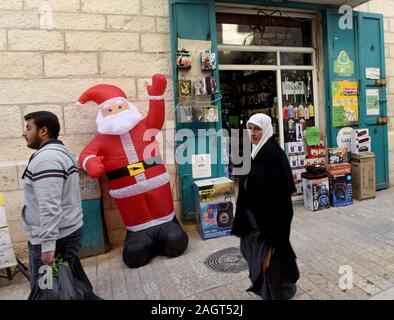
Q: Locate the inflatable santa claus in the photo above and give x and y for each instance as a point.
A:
(138, 180)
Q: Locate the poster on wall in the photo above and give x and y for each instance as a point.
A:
(344, 103)
(372, 73)
(372, 97)
(343, 65)
(344, 138)
(201, 166)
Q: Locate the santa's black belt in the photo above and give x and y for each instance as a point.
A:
(134, 168)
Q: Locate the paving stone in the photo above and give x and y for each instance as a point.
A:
(360, 236)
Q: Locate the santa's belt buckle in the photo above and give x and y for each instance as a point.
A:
(136, 168)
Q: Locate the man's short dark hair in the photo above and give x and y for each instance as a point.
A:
(45, 119)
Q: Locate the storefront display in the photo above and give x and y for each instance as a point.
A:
(195, 87)
(298, 110)
(301, 82)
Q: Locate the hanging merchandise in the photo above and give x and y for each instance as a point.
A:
(312, 136)
(311, 110)
(199, 87)
(208, 61)
(211, 114)
(299, 130)
(291, 124)
(306, 113)
(308, 87)
(183, 60)
(291, 111)
(212, 86)
(303, 123)
(185, 88)
(296, 114)
(198, 114)
(185, 114)
(300, 111)
(285, 113)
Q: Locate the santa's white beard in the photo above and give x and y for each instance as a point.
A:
(119, 123)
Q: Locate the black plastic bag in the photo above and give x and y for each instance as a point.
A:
(65, 287)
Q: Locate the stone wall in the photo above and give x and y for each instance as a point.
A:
(50, 52)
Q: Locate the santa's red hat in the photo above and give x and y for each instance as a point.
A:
(102, 94)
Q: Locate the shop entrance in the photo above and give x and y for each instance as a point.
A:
(268, 65)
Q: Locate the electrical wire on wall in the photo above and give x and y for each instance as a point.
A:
(261, 28)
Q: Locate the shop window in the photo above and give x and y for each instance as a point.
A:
(266, 28)
(296, 59)
(250, 58)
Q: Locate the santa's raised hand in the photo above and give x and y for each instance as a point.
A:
(158, 86)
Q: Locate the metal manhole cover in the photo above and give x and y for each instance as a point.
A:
(227, 260)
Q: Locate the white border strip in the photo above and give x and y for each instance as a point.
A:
(141, 187)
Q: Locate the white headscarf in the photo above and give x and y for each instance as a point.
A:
(265, 123)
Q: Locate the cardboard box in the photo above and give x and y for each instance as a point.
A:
(361, 141)
(359, 134)
(316, 193)
(215, 207)
(364, 179)
(336, 155)
(361, 147)
(340, 177)
(294, 148)
(341, 190)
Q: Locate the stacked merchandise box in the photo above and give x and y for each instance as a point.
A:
(316, 155)
(363, 171)
(296, 154)
(361, 141)
(316, 188)
(340, 177)
(215, 207)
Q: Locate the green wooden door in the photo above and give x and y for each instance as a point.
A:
(363, 45)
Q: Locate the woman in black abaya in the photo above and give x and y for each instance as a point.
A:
(264, 213)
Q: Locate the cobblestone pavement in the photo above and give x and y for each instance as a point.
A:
(360, 236)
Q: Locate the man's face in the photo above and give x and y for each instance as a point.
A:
(32, 134)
